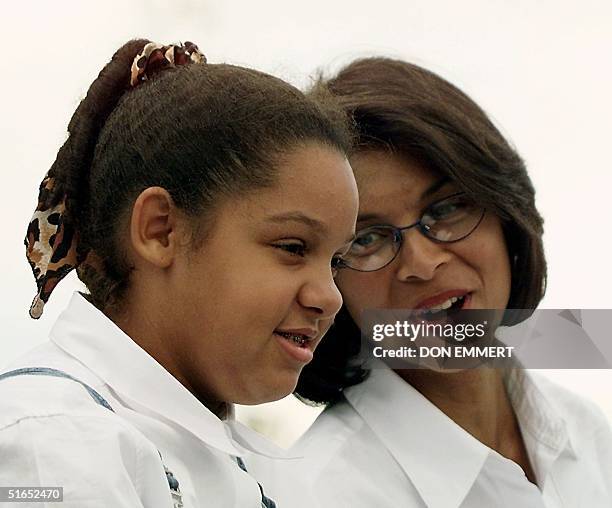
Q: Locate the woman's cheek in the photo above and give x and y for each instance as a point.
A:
(355, 307)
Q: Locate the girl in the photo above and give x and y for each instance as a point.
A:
(205, 208)
(446, 217)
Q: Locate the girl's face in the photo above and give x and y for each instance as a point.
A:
(250, 306)
(395, 191)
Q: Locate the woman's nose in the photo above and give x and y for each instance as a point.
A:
(420, 257)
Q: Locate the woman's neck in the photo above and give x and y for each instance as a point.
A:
(477, 401)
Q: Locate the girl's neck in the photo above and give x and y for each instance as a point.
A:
(150, 337)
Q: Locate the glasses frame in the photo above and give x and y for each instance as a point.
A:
(398, 237)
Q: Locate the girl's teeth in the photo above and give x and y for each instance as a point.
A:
(298, 339)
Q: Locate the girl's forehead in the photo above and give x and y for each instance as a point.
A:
(315, 188)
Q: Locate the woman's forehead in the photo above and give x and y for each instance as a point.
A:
(384, 178)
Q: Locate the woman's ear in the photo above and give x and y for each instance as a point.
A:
(154, 229)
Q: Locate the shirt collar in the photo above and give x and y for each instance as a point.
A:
(85, 333)
(441, 459)
(544, 429)
(422, 439)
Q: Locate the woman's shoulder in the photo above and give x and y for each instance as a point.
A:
(337, 438)
(580, 413)
(335, 465)
(339, 420)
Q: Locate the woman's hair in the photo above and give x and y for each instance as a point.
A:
(404, 109)
(201, 131)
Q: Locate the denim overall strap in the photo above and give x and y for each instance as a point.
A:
(266, 502)
(47, 371)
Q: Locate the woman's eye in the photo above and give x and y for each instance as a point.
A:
(294, 248)
(442, 211)
(337, 263)
(368, 242)
(449, 209)
(368, 239)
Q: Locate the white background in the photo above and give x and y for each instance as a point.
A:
(541, 68)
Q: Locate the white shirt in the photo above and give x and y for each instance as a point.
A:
(387, 446)
(53, 434)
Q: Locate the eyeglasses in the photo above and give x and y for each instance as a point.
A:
(445, 221)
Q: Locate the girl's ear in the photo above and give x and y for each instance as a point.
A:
(154, 227)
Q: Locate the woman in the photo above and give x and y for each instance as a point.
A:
(205, 208)
(446, 218)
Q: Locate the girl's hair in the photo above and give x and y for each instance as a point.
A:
(202, 132)
(405, 109)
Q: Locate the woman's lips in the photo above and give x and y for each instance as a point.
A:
(442, 297)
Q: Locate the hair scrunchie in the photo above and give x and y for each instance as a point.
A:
(51, 240)
(155, 57)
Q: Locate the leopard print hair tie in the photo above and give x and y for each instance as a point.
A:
(155, 58)
(51, 240)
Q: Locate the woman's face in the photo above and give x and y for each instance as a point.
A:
(393, 190)
(251, 305)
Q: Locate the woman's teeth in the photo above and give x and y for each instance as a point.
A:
(447, 304)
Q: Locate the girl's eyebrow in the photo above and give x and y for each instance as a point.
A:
(301, 218)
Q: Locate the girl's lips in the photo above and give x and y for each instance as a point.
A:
(301, 354)
(307, 332)
(442, 297)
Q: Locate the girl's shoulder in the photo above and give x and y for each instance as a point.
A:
(55, 430)
(47, 394)
(47, 382)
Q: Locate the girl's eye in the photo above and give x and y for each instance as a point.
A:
(293, 248)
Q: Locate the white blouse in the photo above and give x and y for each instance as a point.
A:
(54, 434)
(386, 445)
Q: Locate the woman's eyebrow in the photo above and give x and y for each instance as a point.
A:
(367, 216)
(432, 189)
(435, 187)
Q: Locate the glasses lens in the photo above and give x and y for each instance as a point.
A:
(451, 219)
(372, 249)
